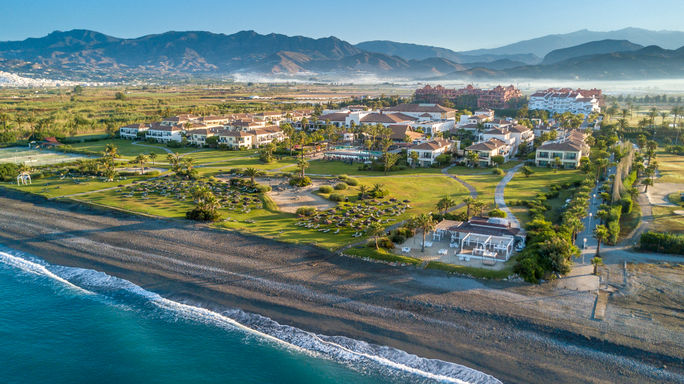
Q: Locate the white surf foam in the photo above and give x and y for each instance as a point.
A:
(354, 353)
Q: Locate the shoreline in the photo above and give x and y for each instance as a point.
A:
(482, 325)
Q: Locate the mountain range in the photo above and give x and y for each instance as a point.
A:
(93, 56)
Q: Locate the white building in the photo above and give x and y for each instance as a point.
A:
(566, 101)
(569, 150)
(428, 152)
(164, 133)
(131, 131)
(488, 149)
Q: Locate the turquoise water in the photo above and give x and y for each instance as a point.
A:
(70, 325)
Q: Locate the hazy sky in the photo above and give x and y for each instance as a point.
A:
(455, 24)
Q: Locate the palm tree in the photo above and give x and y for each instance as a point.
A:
(174, 160)
(111, 151)
(141, 159)
(375, 230)
(153, 157)
(302, 165)
(556, 164)
(445, 203)
(601, 235)
(468, 201)
(647, 182)
(426, 224)
(473, 158)
(389, 159)
(596, 261)
(479, 206)
(575, 225)
(251, 173)
(414, 158)
(527, 171)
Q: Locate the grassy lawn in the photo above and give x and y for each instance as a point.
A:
(664, 218)
(671, 168)
(127, 149)
(381, 254)
(473, 271)
(629, 222)
(482, 179)
(527, 188)
(330, 167)
(54, 187)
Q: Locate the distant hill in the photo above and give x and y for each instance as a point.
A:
(418, 52)
(541, 46)
(92, 56)
(591, 48)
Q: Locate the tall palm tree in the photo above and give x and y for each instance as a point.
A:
(141, 159)
(445, 203)
(302, 165)
(468, 201)
(375, 230)
(425, 223)
(601, 235)
(153, 157)
(174, 160)
(251, 173)
(575, 225)
(111, 151)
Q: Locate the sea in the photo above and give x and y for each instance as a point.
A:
(70, 325)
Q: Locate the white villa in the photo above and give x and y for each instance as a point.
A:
(428, 152)
(491, 240)
(131, 131)
(164, 133)
(565, 100)
(487, 149)
(569, 149)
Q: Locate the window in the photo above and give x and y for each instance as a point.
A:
(570, 156)
(543, 155)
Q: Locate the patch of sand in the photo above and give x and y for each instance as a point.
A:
(290, 198)
(657, 194)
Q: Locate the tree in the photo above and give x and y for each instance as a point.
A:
(479, 206)
(153, 157)
(647, 182)
(498, 160)
(251, 173)
(141, 159)
(111, 151)
(389, 159)
(557, 163)
(109, 168)
(468, 201)
(575, 225)
(601, 234)
(414, 158)
(375, 230)
(596, 261)
(302, 165)
(174, 160)
(527, 171)
(445, 203)
(473, 157)
(425, 223)
(363, 191)
(119, 96)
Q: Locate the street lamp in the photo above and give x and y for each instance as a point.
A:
(590, 214)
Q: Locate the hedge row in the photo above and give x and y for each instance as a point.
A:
(662, 242)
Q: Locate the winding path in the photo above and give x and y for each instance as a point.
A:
(152, 146)
(499, 196)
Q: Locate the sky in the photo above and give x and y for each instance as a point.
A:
(454, 24)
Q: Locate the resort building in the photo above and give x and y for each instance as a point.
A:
(405, 133)
(235, 139)
(497, 97)
(569, 150)
(164, 133)
(487, 149)
(428, 152)
(131, 131)
(268, 134)
(491, 240)
(199, 137)
(426, 111)
(566, 100)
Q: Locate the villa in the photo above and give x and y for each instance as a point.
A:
(236, 139)
(429, 151)
(567, 100)
(487, 149)
(491, 240)
(131, 131)
(569, 149)
(164, 133)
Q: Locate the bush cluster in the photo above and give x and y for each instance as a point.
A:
(662, 242)
(325, 189)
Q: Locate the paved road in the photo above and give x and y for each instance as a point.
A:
(499, 195)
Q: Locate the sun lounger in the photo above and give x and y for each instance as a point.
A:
(442, 251)
(406, 249)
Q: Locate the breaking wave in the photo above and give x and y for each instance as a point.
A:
(355, 354)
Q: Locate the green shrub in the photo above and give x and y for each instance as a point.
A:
(383, 242)
(497, 213)
(342, 177)
(336, 197)
(306, 211)
(626, 203)
(262, 188)
(351, 181)
(498, 171)
(153, 173)
(199, 214)
(299, 181)
(8, 171)
(325, 189)
(340, 186)
(662, 242)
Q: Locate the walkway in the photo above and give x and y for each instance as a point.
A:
(152, 146)
(471, 189)
(499, 196)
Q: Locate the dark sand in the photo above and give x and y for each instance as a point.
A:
(517, 333)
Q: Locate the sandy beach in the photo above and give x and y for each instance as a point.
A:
(515, 332)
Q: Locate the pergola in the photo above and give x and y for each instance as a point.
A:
(488, 245)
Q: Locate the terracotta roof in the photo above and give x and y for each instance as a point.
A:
(388, 118)
(137, 126)
(400, 131)
(488, 145)
(519, 128)
(434, 108)
(336, 116)
(564, 146)
(160, 127)
(432, 145)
